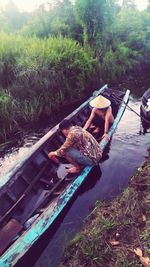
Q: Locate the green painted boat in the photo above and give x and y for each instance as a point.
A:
(37, 189)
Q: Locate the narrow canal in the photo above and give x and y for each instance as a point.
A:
(125, 153)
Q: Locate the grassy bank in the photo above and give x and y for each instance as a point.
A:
(114, 230)
(39, 76)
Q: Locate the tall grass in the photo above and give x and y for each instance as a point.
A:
(7, 115)
(38, 74)
(41, 75)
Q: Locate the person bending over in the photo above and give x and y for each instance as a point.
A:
(101, 111)
(80, 148)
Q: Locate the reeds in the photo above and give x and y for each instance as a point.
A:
(38, 74)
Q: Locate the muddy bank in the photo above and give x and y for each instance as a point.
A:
(114, 230)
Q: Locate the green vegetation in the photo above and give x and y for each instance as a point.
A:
(34, 77)
(114, 230)
(64, 50)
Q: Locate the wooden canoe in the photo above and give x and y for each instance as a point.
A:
(36, 193)
(145, 110)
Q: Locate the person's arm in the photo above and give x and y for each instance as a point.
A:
(67, 144)
(70, 140)
(90, 119)
(61, 151)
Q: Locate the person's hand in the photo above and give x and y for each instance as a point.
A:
(52, 155)
(106, 136)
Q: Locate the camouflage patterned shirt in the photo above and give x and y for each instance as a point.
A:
(83, 141)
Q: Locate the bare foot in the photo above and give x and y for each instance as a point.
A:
(74, 169)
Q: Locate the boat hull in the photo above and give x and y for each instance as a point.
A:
(145, 110)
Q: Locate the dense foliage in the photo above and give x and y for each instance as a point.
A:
(63, 48)
(34, 77)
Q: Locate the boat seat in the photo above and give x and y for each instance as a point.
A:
(8, 233)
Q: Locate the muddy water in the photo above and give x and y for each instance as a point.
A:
(126, 152)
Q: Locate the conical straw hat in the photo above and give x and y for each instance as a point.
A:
(100, 102)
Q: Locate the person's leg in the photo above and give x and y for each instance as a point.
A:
(76, 168)
(77, 159)
(98, 123)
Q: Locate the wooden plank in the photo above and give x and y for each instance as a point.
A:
(25, 179)
(11, 196)
(8, 232)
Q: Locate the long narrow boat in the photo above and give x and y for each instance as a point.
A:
(37, 191)
(145, 110)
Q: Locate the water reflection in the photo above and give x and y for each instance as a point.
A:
(91, 180)
(15, 152)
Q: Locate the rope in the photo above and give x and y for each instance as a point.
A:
(129, 108)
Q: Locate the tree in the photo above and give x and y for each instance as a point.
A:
(129, 4)
(97, 18)
(56, 19)
(12, 19)
(148, 7)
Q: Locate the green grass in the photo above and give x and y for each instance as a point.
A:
(125, 219)
(38, 75)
